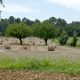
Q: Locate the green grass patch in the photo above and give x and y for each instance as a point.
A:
(48, 65)
(70, 40)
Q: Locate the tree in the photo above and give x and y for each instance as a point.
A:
(27, 21)
(63, 38)
(3, 26)
(53, 20)
(61, 23)
(37, 21)
(18, 30)
(44, 30)
(11, 20)
(73, 27)
(18, 20)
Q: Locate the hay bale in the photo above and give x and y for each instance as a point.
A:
(25, 47)
(33, 43)
(51, 48)
(7, 47)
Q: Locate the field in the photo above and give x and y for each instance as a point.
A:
(36, 62)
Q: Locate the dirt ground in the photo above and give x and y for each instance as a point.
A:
(38, 50)
(18, 51)
(27, 75)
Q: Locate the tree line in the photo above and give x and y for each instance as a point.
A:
(59, 23)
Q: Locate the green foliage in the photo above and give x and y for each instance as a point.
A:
(18, 30)
(58, 22)
(48, 65)
(37, 21)
(63, 38)
(18, 20)
(44, 30)
(61, 23)
(74, 26)
(27, 21)
(3, 26)
(56, 40)
(74, 41)
(11, 20)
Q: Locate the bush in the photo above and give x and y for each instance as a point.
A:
(74, 41)
(63, 38)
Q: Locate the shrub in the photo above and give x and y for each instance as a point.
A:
(63, 38)
(74, 41)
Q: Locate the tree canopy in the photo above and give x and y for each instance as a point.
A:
(44, 30)
(18, 30)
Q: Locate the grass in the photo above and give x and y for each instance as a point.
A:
(69, 41)
(48, 65)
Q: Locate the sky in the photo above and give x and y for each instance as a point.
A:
(42, 9)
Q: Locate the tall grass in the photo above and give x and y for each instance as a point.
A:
(59, 66)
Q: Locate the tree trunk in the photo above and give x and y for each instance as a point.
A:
(20, 41)
(45, 41)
